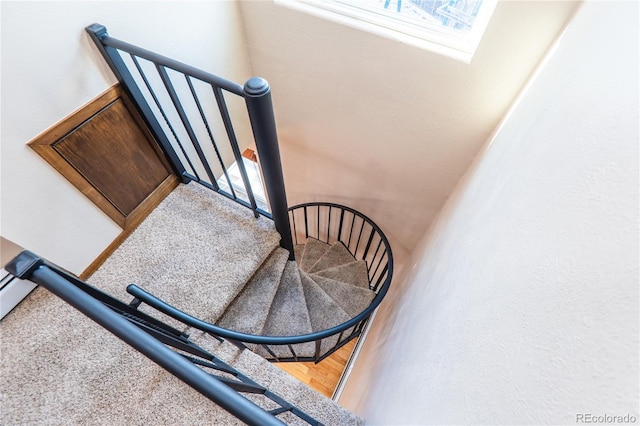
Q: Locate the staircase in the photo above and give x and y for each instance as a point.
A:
(211, 273)
(208, 257)
(327, 288)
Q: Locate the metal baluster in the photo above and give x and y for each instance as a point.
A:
(359, 238)
(206, 125)
(98, 34)
(186, 123)
(329, 224)
(382, 274)
(164, 115)
(233, 141)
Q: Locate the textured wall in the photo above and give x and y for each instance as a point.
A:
(382, 126)
(50, 68)
(522, 304)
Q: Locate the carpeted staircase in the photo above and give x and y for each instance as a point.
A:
(285, 298)
(209, 257)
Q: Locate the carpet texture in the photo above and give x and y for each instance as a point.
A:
(350, 298)
(288, 315)
(354, 273)
(337, 255)
(313, 251)
(323, 311)
(248, 312)
(60, 368)
(209, 257)
(270, 376)
(195, 251)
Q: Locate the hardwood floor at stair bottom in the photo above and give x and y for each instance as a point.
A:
(323, 376)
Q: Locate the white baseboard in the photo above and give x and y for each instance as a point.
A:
(352, 359)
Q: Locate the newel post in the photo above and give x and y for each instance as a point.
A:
(258, 98)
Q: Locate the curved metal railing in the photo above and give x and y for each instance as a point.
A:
(330, 223)
(186, 149)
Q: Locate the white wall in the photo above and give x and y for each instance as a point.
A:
(50, 68)
(385, 127)
(522, 304)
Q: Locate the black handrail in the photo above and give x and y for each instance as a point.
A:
(31, 267)
(164, 61)
(379, 277)
(257, 96)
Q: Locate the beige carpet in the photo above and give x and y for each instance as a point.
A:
(195, 251)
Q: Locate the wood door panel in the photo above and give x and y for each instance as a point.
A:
(112, 153)
(105, 150)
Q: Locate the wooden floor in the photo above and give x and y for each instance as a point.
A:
(323, 376)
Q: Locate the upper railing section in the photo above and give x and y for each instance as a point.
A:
(201, 120)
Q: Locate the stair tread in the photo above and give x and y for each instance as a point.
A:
(350, 298)
(324, 312)
(354, 273)
(268, 375)
(249, 311)
(313, 250)
(288, 315)
(337, 255)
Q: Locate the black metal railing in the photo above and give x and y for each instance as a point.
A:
(330, 223)
(163, 344)
(171, 98)
(188, 112)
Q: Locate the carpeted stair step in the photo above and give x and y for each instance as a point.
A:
(101, 380)
(248, 312)
(350, 298)
(318, 406)
(313, 251)
(288, 315)
(354, 273)
(61, 368)
(337, 255)
(324, 312)
(195, 251)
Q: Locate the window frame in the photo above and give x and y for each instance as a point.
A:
(432, 37)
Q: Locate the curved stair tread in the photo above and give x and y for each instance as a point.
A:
(324, 312)
(354, 273)
(288, 315)
(350, 298)
(313, 250)
(249, 311)
(337, 255)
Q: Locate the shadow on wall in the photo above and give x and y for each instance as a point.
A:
(312, 175)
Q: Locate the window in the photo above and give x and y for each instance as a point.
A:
(450, 27)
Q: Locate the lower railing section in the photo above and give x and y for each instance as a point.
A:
(166, 346)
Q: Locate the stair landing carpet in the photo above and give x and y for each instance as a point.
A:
(195, 251)
(209, 257)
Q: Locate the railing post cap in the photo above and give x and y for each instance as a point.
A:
(23, 265)
(98, 29)
(256, 86)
